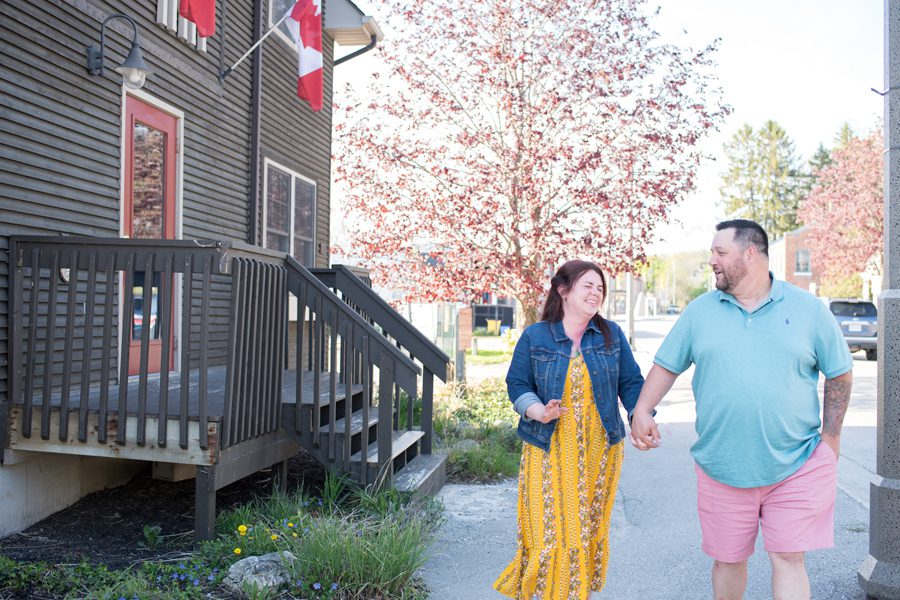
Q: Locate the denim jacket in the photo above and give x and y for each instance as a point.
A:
(538, 374)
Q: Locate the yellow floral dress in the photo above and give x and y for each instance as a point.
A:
(565, 504)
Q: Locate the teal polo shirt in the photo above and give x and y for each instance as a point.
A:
(755, 380)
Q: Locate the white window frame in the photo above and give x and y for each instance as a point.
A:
(168, 17)
(267, 164)
(808, 270)
(278, 32)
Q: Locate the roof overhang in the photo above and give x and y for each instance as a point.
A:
(348, 25)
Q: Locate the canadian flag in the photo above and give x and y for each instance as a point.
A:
(201, 13)
(305, 24)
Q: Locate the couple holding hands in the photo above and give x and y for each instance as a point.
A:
(763, 457)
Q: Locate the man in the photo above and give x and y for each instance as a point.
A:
(758, 345)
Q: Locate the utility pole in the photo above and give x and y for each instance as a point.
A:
(879, 574)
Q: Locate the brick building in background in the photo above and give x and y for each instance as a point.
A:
(789, 260)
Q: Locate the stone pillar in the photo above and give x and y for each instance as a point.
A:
(879, 575)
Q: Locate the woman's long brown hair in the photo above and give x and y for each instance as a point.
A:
(566, 277)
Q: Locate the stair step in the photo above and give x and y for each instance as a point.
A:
(425, 474)
(356, 423)
(401, 440)
(288, 387)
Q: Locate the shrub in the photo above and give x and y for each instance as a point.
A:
(481, 413)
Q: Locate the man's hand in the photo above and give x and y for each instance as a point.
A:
(644, 433)
(834, 442)
(552, 411)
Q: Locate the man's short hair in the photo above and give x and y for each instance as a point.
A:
(747, 232)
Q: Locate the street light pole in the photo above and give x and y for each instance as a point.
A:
(879, 574)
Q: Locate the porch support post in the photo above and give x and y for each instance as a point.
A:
(205, 503)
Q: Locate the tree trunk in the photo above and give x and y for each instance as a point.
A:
(529, 313)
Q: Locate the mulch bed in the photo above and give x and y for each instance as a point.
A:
(107, 527)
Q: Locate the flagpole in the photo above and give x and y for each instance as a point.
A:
(228, 71)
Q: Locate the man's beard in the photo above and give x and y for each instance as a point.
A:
(731, 276)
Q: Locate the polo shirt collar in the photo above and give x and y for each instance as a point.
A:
(776, 292)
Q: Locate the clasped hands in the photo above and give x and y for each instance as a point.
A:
(644, 433)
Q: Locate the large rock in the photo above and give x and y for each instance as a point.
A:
(268, 571)
(466, 445)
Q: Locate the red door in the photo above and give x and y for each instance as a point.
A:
(150, 146)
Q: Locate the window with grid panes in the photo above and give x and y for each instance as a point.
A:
(290, 213)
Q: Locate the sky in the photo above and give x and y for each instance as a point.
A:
(807, 64)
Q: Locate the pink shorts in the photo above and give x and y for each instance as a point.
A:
(796, 514)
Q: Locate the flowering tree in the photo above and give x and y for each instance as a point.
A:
(509, 135)
(844, 210)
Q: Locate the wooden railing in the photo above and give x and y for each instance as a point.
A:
(333, 338)
(71, 350)
(359, 295)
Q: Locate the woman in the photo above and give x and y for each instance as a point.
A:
(565, 377)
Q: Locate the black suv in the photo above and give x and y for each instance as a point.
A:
(859, 324)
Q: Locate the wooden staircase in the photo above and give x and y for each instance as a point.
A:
(346, 431)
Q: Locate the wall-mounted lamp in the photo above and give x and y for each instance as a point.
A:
(134, 71)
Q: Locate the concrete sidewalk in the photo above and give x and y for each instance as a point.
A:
(655, 546)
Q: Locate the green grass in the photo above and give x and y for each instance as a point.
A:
(352, 544)
(488, 357)
(483, 414)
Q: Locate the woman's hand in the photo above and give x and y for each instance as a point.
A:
(552, 411)
(644, 432)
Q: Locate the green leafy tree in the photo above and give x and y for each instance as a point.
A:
(843, 137)
(821, 158)
(764, 180)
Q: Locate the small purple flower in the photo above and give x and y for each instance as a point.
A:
(211, 578)
(196, 582)
(317, 586)
(334, 586)
(320, 502)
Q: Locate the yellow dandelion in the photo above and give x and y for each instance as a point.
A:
(290, 524)
(294, 534)
(274, 537)
(242, 529)
(237, 550)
